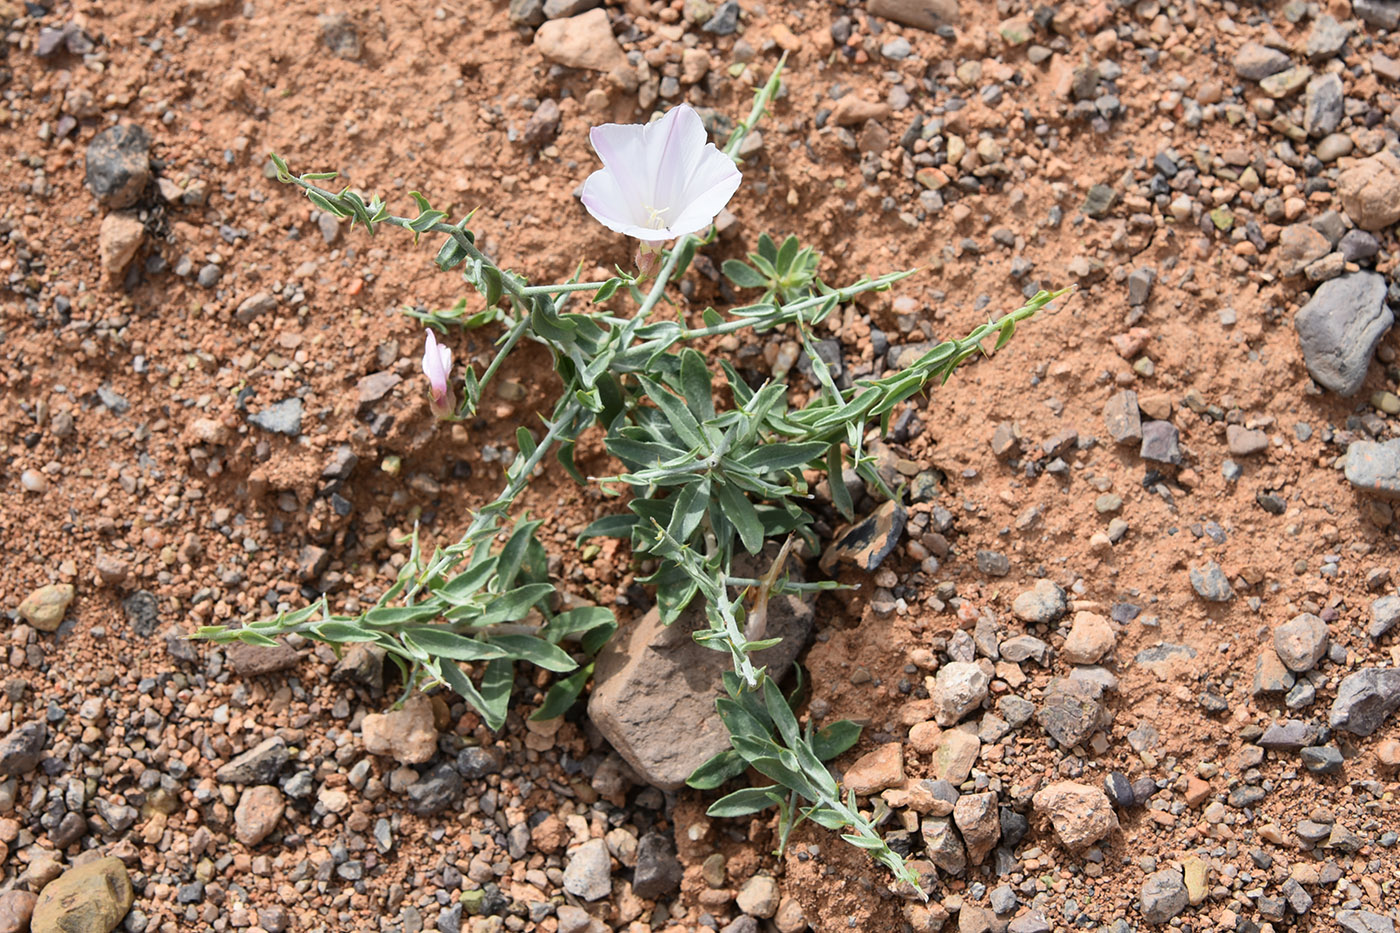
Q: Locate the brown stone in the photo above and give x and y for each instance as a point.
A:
(921, 14)
(259, 811)
(876, 771)
(92, 898)
(408, 735)
(44, 608)
(585, 41)
(1081, 815)
(257, 660)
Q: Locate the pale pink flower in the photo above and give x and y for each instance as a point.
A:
(661, 180)
(437, 366)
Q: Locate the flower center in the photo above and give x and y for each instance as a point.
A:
(655, 218)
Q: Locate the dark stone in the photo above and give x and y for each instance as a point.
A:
(118, 165)
(1161, 442)
(1322, 759)
(724, 21)
(1340, 327)
(258, 765)
(1071, 712)
(867, 543)
(142, 612)
(475, 762)
(658, 872)
(434, 791)
(1119, 790)
(1365, 699)
(21, 749)
(283, 417)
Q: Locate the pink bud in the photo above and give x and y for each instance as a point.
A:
(437, 366)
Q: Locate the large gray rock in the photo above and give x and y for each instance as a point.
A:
(118, 165)
(1164, 896)
(21, 750)
(1340, 327)
(1364, 921)
(1375, 468)
(654, 688)
(1365, 699)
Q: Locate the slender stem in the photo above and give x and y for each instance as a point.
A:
(562, 287)
(512, 338)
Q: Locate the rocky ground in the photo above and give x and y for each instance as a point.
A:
(1130, 661)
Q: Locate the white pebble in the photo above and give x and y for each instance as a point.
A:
(33, 481)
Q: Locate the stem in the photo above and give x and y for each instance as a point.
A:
(562, 287)
(516, 330)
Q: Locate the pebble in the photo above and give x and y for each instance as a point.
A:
(1043, 604)
(1365, 700)
(658, 872)
(435, 791)
(1211, 584)
(338, 33)
(867, 543)
(407, 735)
(45, 607)
(1255, 62)
(1375, 467)
(1301, 642)
(1161, 442)
(758, 897)
(585, 41)
(1322, 108)
(1081, 815)
(875, 771)
(1090, 639)
(1370, 191)
(258, 813)
(958, 688)
(16, 907)
(1071, 711)
(977, 818)
(1163, 896)
(930, 15)
(1365, 921)
(282, 417)
(589, 871)
(258, 765)
(93, 898)
(1340, 327)
(21, 750)
(1385, 615)
(119, 236)
(118, 165)
(1245, 442)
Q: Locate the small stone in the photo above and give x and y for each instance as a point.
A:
(954, 753)
(993, 563)
(558, 9)
(977, 818)
(338, 33)
(1081, 815)
(1287, 82)
(724, 21)
(589, 872)
(1211, 584)
(436, 791)
(1099, 201)
(91, 898)
(259, 765)
(930, 15)
(1043, 604)
(1322, 108)
(45, 607)
(21, 750)
(254, 307)
(259, 811)
(867, 543)
(259, 660)
(1322, 759)
(876, 771)
(283, 417)
(1365, 700)
(585, 41)
(526, 12)
(16, 907)
(1301, 642)
(1370, 191)
(1255, 62)
(118, 165)
(408, 735)
(1071, 711)
(1375, 468)
(1364, 921)
(1090, 638)
(942, 845)
(1270, 674)
(1163, 896)
(958, 688)
(1244, 442)
(1385, 615)
(1326, 38)
(658, 872)
(758, 897)
(1161, 442)
(1122, 418)
(119, 236)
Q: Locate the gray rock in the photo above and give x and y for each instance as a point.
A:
(118, 165)
(942, 845)
(921, 14)
(142, 610)
(338, 33)
(435, 791)
(1358, 246)
(1255, 62)
(1163, 896)
(653, 682)
(527, 12)
(21, 750)
(254, 307)
(1340, 327)
(1322, 107)
(558, 9)
(1161, 442)
(1327, 38)
(589, 872)
(1122, 418)
(1375, 468)
(1043, 604)
(993, 563)
(1032, 921)
(1288, 736)
(1322, 759)
(959, 687)
(1385, 613)
(1383, 14)
(1099, 201)
(1072, 712)
(1301, 642)
(724, 21)
(1140, 286)
(1164, 653)
(1364, 921)
(475, 762)
(1365, 699)
(1211, 584)
(867, 543)
(258, 765)
(658, 872)
(284, 417)
(1023, 648)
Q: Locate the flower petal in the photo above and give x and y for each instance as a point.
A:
(707, 192)
(604, 197)
(675, 144)
(622, 147)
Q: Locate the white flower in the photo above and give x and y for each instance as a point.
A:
(661, 180)
(437, 366)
